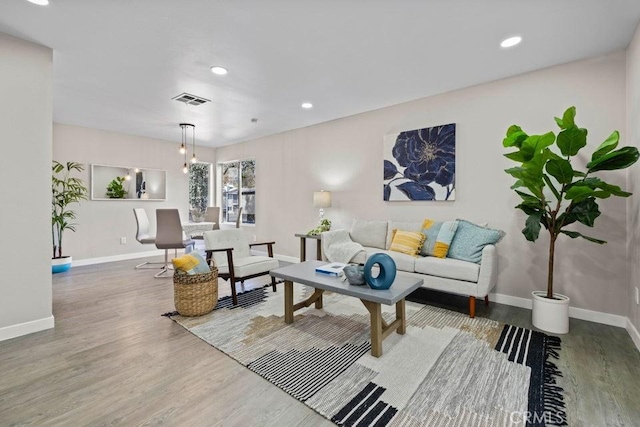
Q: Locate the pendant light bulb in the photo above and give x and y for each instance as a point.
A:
(194, 159)
(185, 168)
(183, 149)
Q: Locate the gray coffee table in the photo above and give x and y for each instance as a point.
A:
(305, 273)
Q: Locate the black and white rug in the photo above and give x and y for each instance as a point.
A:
(447, 369)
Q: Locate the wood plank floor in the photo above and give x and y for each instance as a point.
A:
(113, 360)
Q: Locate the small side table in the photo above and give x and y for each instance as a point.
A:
(303, 245)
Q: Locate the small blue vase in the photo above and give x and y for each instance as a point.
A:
(387, 271)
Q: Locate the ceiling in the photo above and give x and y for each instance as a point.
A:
(118, 63)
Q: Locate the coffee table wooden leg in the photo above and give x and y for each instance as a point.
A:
(288, 301)
(401, 315)
(376, 328)
(319, 301)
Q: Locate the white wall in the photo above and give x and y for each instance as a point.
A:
(345, 156)
(25, 132)
(101, 223)
(633, 205)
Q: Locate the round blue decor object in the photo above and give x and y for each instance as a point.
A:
(387, 271)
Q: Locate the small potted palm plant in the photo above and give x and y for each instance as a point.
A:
(66, 190)
(555, 195)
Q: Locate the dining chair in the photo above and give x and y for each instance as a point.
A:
(169, 235)
(239, 218)
(213, 215)
(231, 251)
(143, 235)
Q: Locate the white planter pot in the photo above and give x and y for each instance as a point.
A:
(550, 315)
(60, 265)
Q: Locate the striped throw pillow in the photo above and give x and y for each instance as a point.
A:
(407, 242)
(439, 236)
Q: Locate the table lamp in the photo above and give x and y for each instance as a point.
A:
(321, 199)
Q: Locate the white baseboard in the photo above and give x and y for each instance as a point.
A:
(25, 328)
(576, 313)
(512, 301)
(286, 258)
(633, 333)
(136, 255)
(598, 317)
(291, 259)
(112, 258)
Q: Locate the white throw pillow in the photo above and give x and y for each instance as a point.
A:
(369, 233)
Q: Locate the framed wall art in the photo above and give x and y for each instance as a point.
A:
(420, 164)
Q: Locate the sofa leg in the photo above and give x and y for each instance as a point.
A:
(472, 307)
(273, 283)
(486, 300)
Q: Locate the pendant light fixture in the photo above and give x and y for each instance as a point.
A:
(194, 159)
(183, 145)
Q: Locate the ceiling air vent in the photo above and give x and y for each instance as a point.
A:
(187, 98)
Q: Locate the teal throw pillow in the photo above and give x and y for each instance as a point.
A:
(470, 239)
(202, 266)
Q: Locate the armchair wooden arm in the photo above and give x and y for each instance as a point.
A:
(232, 276)
(209, 254)
(269, 247)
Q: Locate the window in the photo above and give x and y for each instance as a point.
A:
(239, 191)
(199, 174)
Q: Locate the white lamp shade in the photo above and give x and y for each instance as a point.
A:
(321, 199)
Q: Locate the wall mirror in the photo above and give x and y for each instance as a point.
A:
(127, 183)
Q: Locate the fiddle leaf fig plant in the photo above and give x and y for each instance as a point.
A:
(555, 193)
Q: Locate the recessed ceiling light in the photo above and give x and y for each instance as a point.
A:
(306, 105)
(39, 2)
(511, 41)
(221, 71)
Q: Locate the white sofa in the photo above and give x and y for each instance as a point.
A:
(446, 275)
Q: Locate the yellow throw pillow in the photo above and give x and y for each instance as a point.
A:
(407, 242)
(191, 264)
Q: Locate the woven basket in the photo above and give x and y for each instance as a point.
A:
(197, 294)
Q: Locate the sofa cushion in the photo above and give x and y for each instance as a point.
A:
(448, 268)
(439, 236)
(407, 242)
(470, 240)
(403, 262)
(247, 266)
(401, 225)
(369, 233)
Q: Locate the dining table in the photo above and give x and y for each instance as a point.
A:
(196, 229)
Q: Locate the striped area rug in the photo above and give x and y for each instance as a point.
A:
(447, 370)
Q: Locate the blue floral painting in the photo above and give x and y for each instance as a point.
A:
(420, 164)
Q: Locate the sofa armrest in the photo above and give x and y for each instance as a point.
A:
(488, 270)
(334, 236)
